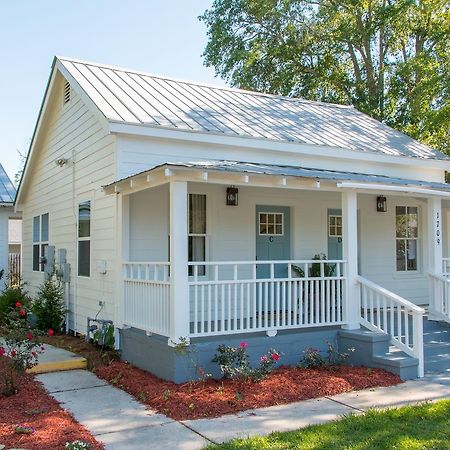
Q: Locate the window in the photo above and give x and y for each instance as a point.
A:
(335, 226)
(271, 223)
(40, 241)
(197, 231)
(84, 239)
(406, 223)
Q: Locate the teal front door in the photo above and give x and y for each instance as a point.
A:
(334, 234)
(273, 239)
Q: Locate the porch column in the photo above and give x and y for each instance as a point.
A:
(179, 288)
(351, 302)
(435, 254)
(435, 235)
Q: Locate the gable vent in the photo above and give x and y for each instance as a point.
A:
(66, 93)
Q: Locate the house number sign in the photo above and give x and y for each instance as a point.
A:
(438, 228)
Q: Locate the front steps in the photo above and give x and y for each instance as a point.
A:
(372, 350)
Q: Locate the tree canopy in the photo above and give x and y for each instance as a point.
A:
(388, 58)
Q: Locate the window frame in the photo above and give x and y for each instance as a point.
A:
(202, 270)
(335, 226)
(267, 223)
(405, 239)
(84, 238)
(40, 243)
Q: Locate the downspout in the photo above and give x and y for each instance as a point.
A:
(75, 218)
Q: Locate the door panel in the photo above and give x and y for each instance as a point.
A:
(273, 238)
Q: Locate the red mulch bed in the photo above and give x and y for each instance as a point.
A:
(33, 407)
(214, 398)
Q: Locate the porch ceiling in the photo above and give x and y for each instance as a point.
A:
(256, 174)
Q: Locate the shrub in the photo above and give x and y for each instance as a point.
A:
(77, 445)
(312, 358)
(234, 362)
(22, 346)
(49, 306)
(8, 299)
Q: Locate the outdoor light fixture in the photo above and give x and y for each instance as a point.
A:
(381, 204)
(232, 196)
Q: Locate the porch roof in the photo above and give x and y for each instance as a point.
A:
(200, 171)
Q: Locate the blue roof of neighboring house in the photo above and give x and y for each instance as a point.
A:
(7, 189)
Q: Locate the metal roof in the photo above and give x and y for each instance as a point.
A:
(291, 171)
(7, 189)
(138, 98)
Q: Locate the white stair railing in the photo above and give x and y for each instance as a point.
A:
(388, 313)
(439, 297)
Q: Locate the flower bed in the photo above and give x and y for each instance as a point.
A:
(32, 419)
(213, 398)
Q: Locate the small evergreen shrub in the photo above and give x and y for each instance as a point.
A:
(49, 306)
(313, 359)
(8, 299)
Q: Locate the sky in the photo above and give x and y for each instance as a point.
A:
(158, 36)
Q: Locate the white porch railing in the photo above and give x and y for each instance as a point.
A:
(386, 312)
(249, 296)
(439, 297)
(446, 266)
(147, 296)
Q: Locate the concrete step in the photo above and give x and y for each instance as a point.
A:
(55, 359)
(397, 362)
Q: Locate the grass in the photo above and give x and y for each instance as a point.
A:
(426, 426)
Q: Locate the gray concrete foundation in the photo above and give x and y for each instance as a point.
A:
(153, 353)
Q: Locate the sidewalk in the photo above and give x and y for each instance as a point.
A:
(120, 422)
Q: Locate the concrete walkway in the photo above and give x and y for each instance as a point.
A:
(120, 422)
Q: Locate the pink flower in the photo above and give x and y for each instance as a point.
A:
(42, 348)
(263, 359)
(34, 354)
(29, 335)
(2, 351)
(50, 332)
(13, 353)
(243, 345)
(18, 305)
(22, 313)
(275, 356)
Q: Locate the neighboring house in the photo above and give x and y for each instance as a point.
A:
(15, 236)
(7, 196)
(196, 212)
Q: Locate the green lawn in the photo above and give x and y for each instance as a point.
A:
(426, 426)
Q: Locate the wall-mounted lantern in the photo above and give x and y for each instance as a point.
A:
(232, 196)
(381, 204)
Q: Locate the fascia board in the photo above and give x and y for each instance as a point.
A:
(265, 144)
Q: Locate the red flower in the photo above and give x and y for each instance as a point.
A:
(13, 353)
(18, 304)
(50, 332)
(29, 335)
(243, 345)
(275, 356)
(2, 351)
(34, 354)
(22, 313)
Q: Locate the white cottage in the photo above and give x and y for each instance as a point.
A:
(201, 212)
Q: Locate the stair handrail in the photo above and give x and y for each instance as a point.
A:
(379, 321)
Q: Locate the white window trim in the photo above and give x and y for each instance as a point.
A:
(272, 213)
(334, 226)
(81, 239)
(408, 273)
(40, 242)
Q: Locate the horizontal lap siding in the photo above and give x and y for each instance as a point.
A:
(74, 130)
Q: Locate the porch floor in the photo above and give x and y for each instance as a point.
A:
(436, 340)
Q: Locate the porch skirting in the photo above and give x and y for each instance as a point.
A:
(152, 353)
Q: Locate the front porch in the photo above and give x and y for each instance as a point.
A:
(205, 284)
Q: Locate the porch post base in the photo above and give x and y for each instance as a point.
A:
(351, 326)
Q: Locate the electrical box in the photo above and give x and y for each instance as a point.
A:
(63, 268)
(101, 266)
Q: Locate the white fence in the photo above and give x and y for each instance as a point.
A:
(248, 296)
(383, 311)
(439, 297)
(147, 296)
